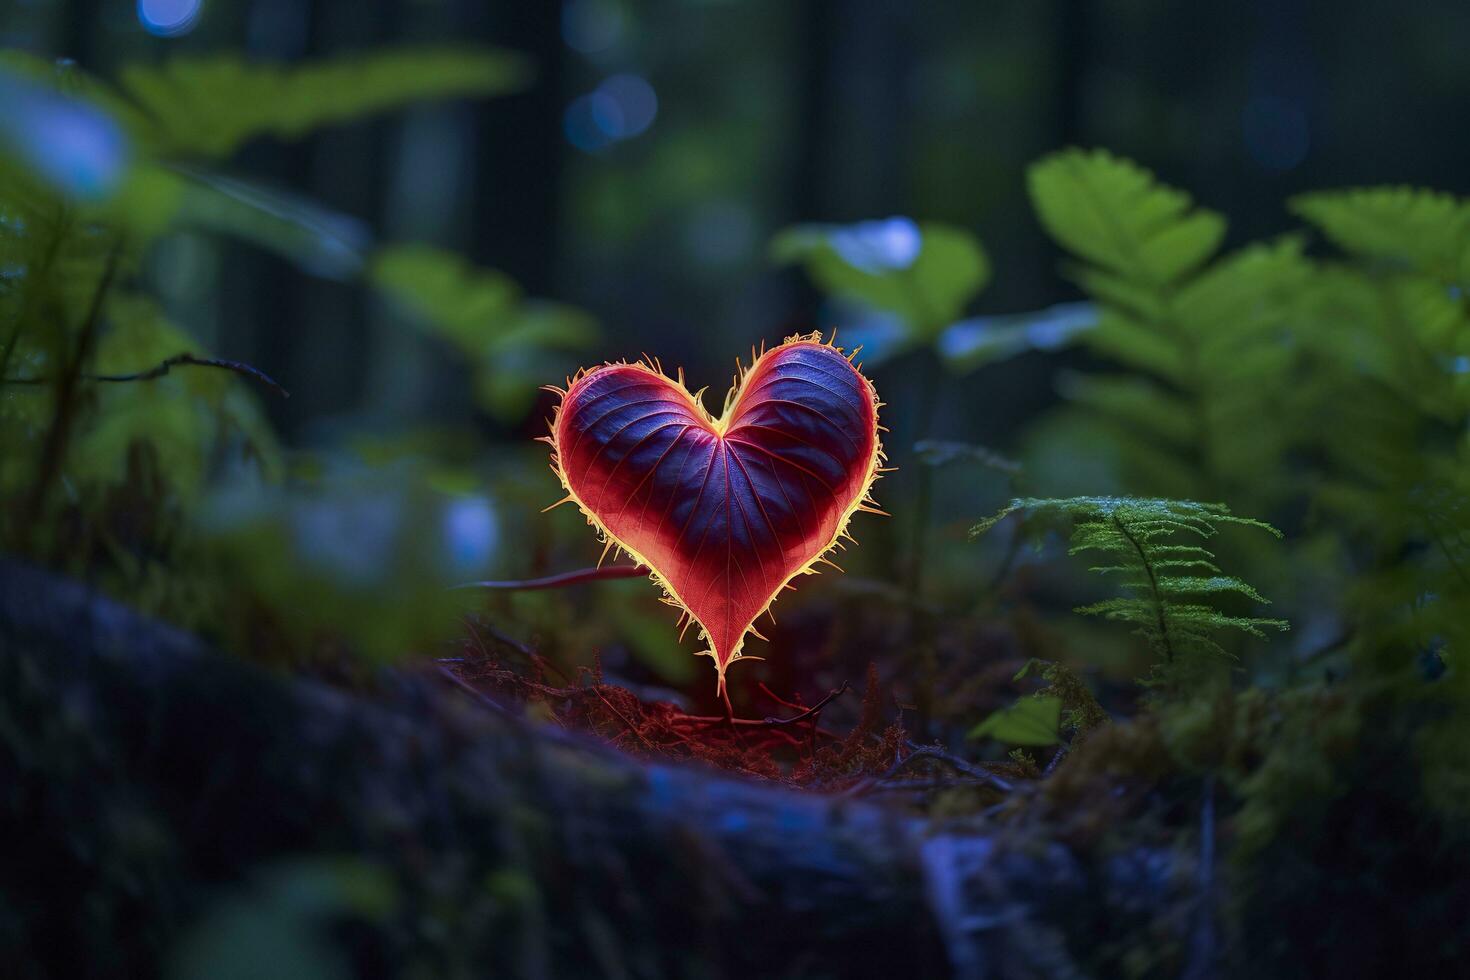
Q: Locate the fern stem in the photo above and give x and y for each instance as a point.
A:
(36, 279)
(1153, 587)
(58, 434)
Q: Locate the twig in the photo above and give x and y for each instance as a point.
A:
(809, 712)
(562, 580)
(954, 762)
(471, 690)
(596, 689)
(159, 370)
(448, 672)
(1056, 760)
(937, 754)
(712, 721)
(777, 698)
(770, 722)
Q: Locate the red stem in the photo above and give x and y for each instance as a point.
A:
(564, 579)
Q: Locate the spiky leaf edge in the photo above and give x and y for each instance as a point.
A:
(862, 502)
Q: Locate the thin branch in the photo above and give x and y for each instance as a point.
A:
(809, 712)
(597, 689)
(159, 370)
(956, 763)
(768, 722)
(471, 690)
(1056, 760)
(562, 580)
(777, 698)
(938, 755)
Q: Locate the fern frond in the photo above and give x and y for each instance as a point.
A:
(1422, 229)
(209, 106)
(1389, 411)
(1203, 338)
(509, 341)
(1163, 595)
(1112, 213)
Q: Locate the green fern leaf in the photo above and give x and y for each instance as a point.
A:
(507, 340)
(1426, 230)
(1163, 596)
(1203, 337)
(924, 273)
(210, 106)
(1113, 213)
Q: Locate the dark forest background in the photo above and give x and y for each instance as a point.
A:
(768, 113)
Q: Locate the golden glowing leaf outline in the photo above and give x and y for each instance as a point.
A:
(862, 501)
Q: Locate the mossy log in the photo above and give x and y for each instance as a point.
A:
(143, 777)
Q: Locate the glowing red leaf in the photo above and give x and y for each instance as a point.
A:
(724, 511)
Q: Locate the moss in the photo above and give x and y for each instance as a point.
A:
(1081, 713)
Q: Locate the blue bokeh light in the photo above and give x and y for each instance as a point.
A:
(471, 534)
(997, 337)
(75, 146)
(624, 106)
(879, 246)
(1276, 132)
(880, 334)
(580, 127)
(168, 18)
(353, 538)
(592, 26)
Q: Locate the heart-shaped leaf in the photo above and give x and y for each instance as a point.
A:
(724, 511)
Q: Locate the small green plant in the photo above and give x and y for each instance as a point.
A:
(1168, 581)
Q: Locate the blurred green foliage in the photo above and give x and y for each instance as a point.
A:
(456, 301)
(1325, 391)
(280, 923)
(1030, 721)
(1203, 345)
(167, 483)
(920, 275)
